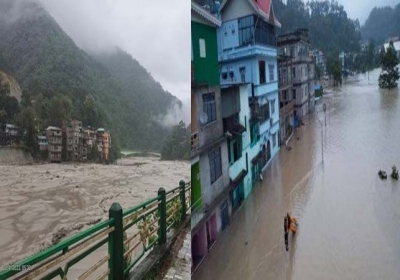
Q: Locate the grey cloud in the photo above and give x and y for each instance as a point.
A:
(156, 33)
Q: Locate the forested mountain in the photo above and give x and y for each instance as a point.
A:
(112, 90)
(329, 27)
(381, 24)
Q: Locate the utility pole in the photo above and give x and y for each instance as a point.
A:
(325, 112)
(322, 141)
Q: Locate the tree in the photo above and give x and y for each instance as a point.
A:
(115, 151)
(26, 100)
(60, 109)
(89, 112)
(177, 145)
(26, 120)
(390, 72)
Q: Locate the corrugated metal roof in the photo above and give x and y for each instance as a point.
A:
(205, 14)
(53, 128)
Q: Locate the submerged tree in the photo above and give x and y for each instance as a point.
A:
(390, 72)
(177, 145)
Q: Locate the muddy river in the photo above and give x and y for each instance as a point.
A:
(349, 219)
(37, 201)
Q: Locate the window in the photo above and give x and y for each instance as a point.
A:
(264, 112)
(253, 133)
(294, 72)
(285, 98)
(261, 67)
(271, 72)
(273, 107)
(202, 44)
(215, 164)
(246, 30)
(235, 149)
(294, 93)
(209, 106)
(242, 71)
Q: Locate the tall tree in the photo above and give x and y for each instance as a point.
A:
(60, 109)
(26, 120)
(390, 72)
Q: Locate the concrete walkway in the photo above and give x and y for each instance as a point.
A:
(181, 262)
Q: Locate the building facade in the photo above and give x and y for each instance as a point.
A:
(210, 177)
(54, 138)
(285, 96)
(235, 110)
(297, 46)
(248, 55)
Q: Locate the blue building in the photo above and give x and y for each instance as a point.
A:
(247, 55)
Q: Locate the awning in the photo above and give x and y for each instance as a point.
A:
(238, 129)
(239, 178)
(256, 158)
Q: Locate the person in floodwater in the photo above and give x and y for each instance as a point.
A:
(292, 223)
(285, 225)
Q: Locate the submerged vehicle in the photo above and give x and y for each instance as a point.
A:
(395, 173)
(382, 174)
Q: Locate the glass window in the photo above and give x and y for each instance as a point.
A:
(271, 72)
(264, 110)
(209, 106)
(215, 164)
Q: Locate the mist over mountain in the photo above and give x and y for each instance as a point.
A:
(382, 23)
(44, 60)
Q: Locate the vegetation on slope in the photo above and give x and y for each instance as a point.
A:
(64, 81)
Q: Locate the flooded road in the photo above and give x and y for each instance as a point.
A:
(349, 219)
(37, 201)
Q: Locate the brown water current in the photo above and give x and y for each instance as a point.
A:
(37, 201)
(349, 219)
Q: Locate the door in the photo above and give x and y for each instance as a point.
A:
(224, 215)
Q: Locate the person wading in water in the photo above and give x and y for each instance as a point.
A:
(285, 225)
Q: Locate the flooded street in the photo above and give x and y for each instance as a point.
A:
(37, 201)
(348, 218)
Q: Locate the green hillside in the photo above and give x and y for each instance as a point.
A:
(45, 61)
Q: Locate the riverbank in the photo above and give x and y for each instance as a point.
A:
(42, 203)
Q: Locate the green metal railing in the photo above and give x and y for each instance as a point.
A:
(146, 224)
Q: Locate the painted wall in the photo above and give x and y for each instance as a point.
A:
(205, 68)
(211, 191)
(212, 131)
(236, 9)
(196, 185)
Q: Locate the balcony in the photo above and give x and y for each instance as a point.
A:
(255, 112)
(285, 107)
(232, 125)
(262, 89)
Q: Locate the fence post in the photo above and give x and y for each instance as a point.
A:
(116, 244)
(162, 210)
(183, 199)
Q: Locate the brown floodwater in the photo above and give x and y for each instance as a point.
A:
(37, 201)
(349, 219)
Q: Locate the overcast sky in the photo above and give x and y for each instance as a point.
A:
(156, 33)
(360, 9)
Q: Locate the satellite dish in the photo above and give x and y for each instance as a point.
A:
(203, 118)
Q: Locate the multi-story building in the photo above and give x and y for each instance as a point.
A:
(42, 142)
(285, 95)
(320, 61)
(76, 148)
(247, 54)
(297, 45)
(210, 177)
(103, 141)
(54, 137)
